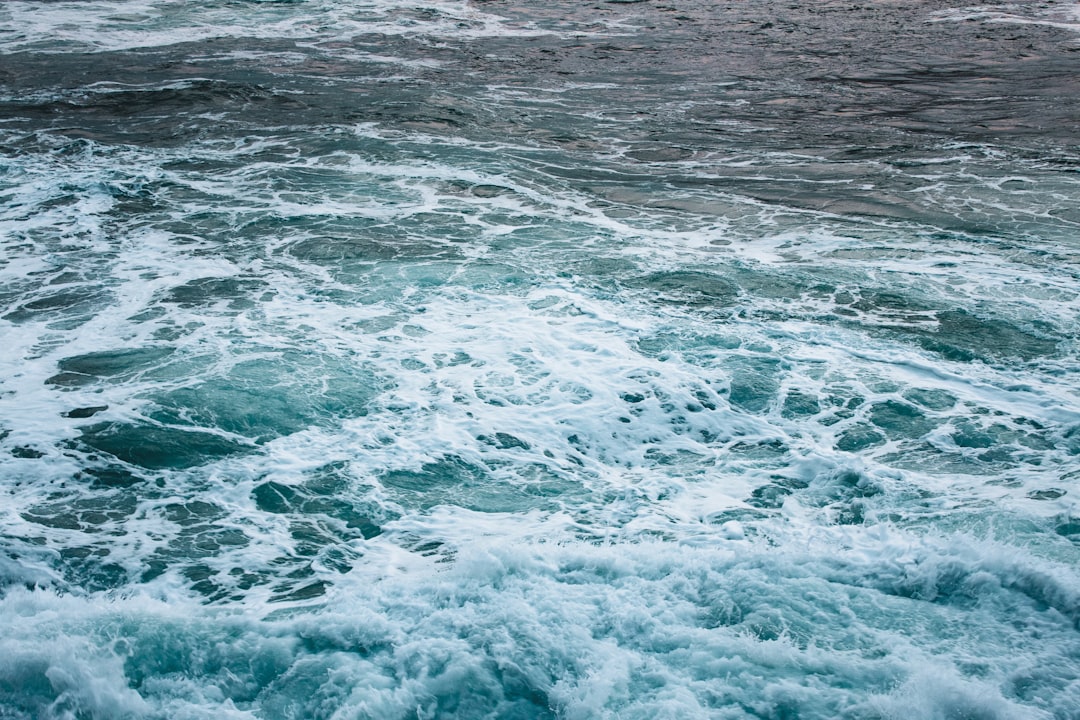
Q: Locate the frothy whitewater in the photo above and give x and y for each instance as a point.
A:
(380, 359)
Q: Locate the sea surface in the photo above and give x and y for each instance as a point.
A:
(639, 359)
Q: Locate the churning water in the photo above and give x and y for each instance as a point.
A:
(444, 359)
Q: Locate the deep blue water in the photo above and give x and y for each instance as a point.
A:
(373, 359)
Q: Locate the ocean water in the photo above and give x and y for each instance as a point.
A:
(445, 359)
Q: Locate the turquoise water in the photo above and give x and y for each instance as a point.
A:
(481, 360)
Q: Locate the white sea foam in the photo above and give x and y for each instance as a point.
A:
(103, 26)
(487, 350)
(641, 630)
(1062, 15)
(437, 425)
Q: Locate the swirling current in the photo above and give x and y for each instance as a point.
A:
(493, 359)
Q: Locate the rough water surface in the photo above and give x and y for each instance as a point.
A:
(628, 359)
